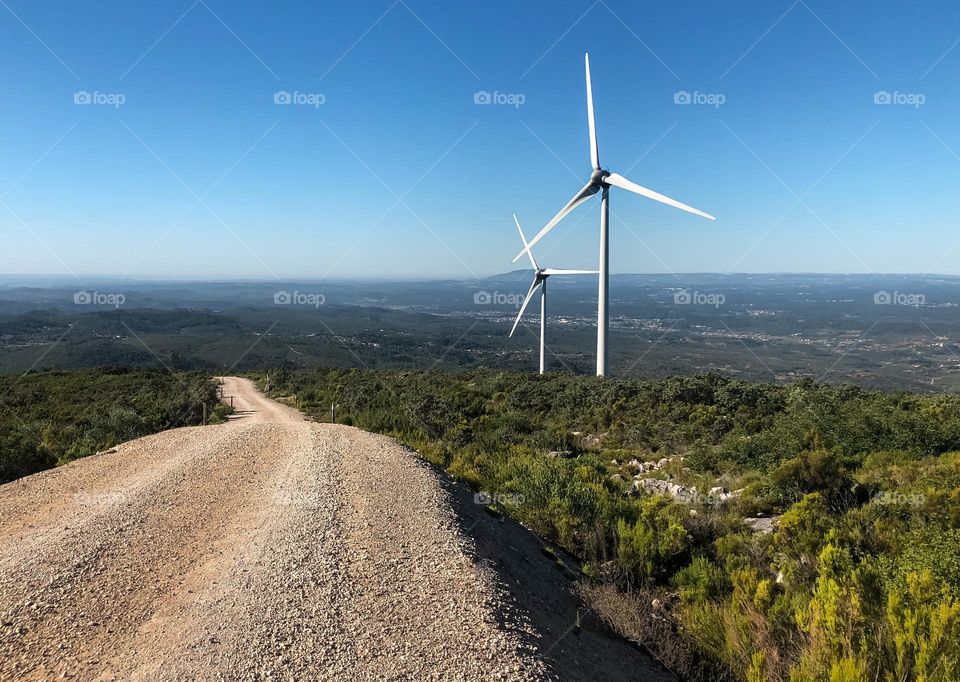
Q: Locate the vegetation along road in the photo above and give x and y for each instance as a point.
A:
(267, 546)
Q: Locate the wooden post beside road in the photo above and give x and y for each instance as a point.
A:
(204, 414)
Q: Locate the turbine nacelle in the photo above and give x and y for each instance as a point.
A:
(599, 177)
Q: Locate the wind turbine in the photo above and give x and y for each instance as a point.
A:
(603, 180)
(540, 280)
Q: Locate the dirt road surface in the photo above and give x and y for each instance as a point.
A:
(271, 547)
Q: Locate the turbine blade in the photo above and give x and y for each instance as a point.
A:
(591, 123)
(526, 247)
(533, 288)
(561, 271)
(588, 191)
(619, 181)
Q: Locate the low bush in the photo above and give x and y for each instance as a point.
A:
(50, 418)
(856, 577)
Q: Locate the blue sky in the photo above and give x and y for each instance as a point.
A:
(388, 167)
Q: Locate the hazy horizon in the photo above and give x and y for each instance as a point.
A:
(198, 279)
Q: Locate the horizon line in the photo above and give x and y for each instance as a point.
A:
(159, 279)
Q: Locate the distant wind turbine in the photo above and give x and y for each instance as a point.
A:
(540, 281)
(603, 180)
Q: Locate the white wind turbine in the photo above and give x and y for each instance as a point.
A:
(540, 280)
(603, 180)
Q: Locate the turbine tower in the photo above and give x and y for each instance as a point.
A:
(540, 280)
(601, 181)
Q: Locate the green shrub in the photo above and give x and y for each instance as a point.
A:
(653, 545)
(53, 417)
(832, 594)
(700, 581)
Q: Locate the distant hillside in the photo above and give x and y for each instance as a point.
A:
(877, 331)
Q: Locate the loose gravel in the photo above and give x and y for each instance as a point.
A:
(265, 548)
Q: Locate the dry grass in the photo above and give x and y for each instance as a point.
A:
(645, 618)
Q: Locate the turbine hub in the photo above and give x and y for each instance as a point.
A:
(599, 177)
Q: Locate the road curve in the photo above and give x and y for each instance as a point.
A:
(266, 547)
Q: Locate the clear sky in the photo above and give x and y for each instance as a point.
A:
(182, 164)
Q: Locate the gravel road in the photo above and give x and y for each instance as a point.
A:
(265, 548)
